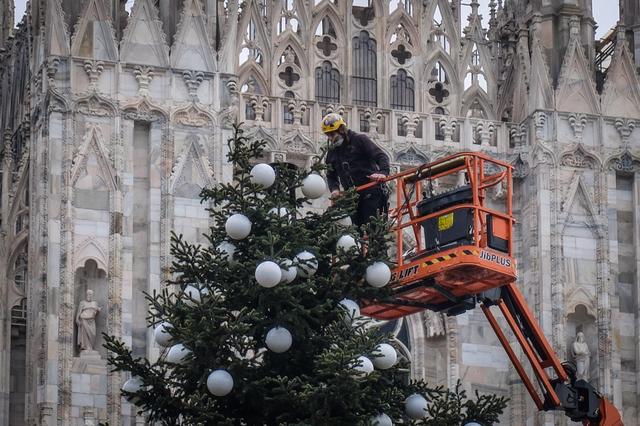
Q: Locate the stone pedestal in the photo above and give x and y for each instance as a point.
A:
(88, 389)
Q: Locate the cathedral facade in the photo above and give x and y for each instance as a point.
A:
(114, 117)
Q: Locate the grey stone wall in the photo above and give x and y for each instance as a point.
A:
(113, 121)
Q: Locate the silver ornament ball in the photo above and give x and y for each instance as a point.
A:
(133, 385)
(228, 251)
(161, 335)
(220, 382)
(238, 226)
(191, 295)
(177, 354)
(268, 274)
(378, 274)
(415, 406)
(363, 366)
(278, 340)
(351, 308)
(313, 186)
(307, 264)
(263, 174)
(388, 356)
(381, 420)
(346, 243)
(289, 272)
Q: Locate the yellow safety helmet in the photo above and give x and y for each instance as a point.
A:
(332, 122)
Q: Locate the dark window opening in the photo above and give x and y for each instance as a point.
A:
(364, 124)
(287, 113)
(249, 112)
(326, 28)
(327, 83)
(364, 70)
(402, 91)
(438, 73)
(363, 11)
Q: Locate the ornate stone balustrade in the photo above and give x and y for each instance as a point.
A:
(396, 130)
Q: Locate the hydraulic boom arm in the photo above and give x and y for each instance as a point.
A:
(579, 400)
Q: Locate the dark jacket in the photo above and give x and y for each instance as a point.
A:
(354, 160)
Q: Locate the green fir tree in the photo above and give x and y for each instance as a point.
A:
(215, 317)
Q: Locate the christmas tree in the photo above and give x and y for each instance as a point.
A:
(262, 325)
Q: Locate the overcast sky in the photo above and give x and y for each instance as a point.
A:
(605, 13)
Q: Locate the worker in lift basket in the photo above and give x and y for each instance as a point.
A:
(355, 160)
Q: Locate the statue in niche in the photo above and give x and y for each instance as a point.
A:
(434, 324)
(88, 310)
(581, 356)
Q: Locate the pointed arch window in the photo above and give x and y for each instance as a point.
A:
(250, 49)
(327, 83)
(325, 27)
(364, 70)
(478, 78)
(288, 17)
(247, 53)
(289, 55)
(402, 91)
(437, 17)
(475, 57)
(264, 11)
(438, 73)
(444, 43)
(251, 31)
(400, 34)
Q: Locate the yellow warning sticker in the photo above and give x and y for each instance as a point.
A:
(445, 222)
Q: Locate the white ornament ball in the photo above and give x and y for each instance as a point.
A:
(345, 243)
(228, 251)
(381, 420)
(378, 274)
(472, 424)
(134, 384)
(238, 226)
(278, 340)
(352, 309)
(345, 221)
(263, 174)
(161, 335)
(268, 274)
(289, 271)
(281, 212)
(191, 295)
(313, 186)
(307, 264)
(220, 382)
(415, 406)
(363, 366)
(177, 354)
(388, 357)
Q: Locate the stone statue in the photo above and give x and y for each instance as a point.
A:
(88, 310)
(434, 324)
(581, 355)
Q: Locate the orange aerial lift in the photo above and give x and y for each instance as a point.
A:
(463, 255)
